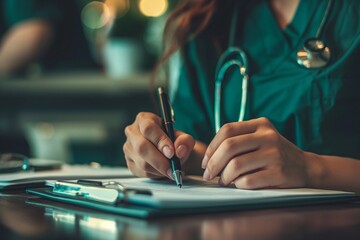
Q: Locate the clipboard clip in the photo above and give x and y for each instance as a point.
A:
(109, 192)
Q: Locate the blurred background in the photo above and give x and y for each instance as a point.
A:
(74, 73)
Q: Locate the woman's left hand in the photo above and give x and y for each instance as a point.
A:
(253, 155)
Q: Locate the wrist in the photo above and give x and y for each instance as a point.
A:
(315, 170)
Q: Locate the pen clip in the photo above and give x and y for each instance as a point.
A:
(166, 106)
(172, 113)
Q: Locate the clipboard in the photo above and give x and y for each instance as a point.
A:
(140, 202)
(100, 196)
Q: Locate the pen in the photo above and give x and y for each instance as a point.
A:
(168, 119)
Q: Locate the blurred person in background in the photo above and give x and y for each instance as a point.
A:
(44, 32)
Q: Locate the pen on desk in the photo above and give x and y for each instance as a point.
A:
(168, 118)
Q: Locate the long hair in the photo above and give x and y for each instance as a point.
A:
(190, 18)
(186, 21)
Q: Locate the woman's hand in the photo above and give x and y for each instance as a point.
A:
(253, 155)
(148, 149)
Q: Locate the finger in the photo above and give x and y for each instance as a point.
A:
(140, 173)
(184, 144)
(244, 164)
(227, 150)
(147, 154)
(227, 131)
(261, 179)
(148, 171)
(150, 127)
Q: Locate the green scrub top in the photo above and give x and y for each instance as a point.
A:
(317, 109)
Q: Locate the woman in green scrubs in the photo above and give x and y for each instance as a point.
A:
(301, 126)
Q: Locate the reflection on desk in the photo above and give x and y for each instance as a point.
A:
(42, 218)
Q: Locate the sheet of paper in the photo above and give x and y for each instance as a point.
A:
(66, 172)
(197, 193)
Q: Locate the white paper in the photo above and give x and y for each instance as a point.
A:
(66, 172)
(197, 193)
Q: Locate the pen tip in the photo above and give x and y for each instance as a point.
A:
(180, 185)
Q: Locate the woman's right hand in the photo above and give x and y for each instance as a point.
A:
(148, 149)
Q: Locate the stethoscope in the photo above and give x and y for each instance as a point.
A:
(314, 54)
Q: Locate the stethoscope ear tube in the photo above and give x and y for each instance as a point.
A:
(230, 54)
(223, 67)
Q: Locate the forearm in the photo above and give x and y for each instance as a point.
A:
(24, 44)
(330, 172)
(193, 164)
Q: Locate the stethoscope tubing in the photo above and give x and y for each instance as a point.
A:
(240, 64)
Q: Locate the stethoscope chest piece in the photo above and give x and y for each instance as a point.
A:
(314, 54)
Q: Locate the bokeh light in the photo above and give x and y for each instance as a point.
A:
(96, 15)
(153, 8)
(118, 8)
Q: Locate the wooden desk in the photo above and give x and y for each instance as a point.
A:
(27, 217)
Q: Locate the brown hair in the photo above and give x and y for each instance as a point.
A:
(189, 19)
(186, 21)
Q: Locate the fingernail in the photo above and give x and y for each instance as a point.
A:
(181, 151)
(204, 161)
(206, 176)
(167, 151)
(169, 173)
